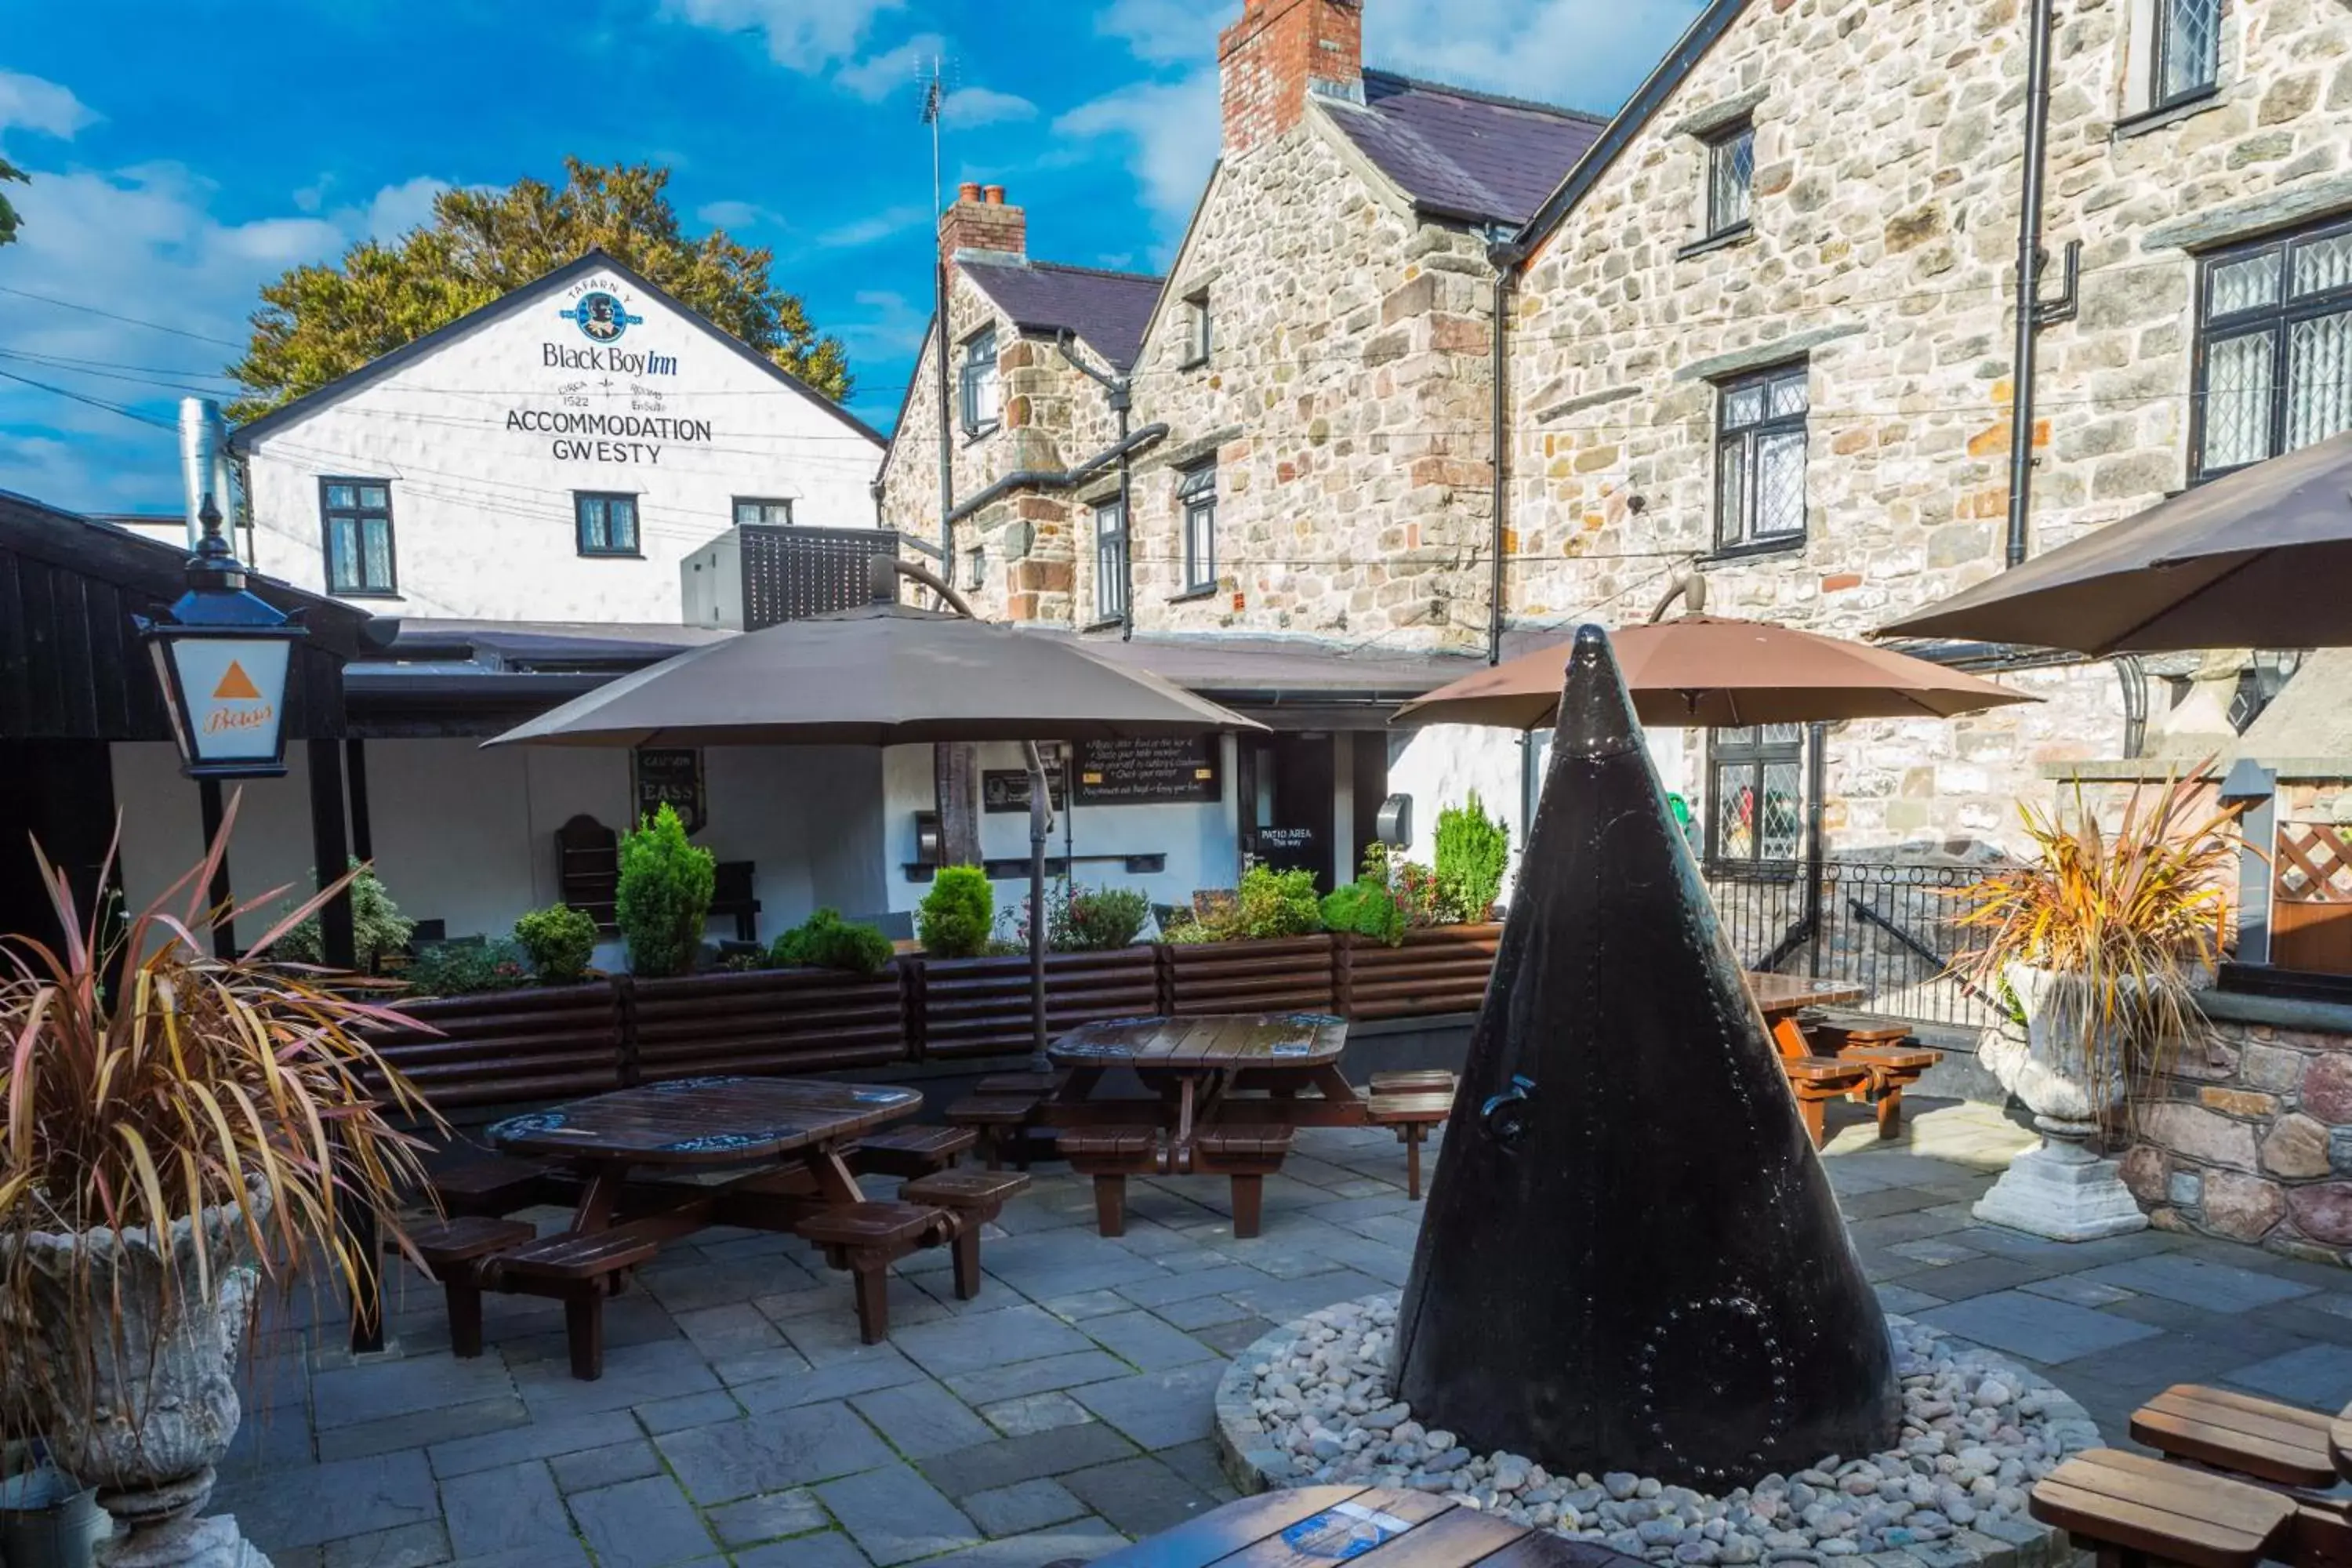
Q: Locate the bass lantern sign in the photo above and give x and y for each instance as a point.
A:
(223, 656)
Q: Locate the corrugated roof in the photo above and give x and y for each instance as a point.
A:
(1108, 310)
(1465, 155)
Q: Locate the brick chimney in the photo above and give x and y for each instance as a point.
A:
(1278, 53)
(980, 221)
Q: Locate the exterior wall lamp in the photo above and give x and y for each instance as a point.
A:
(222, 655)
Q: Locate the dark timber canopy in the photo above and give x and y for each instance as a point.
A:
(1631, 1258)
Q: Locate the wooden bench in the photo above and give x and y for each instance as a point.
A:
(580, 1270)
(1021, 1084)
(1416, 1081)
(1412, 1115)
(1887, 1047)
(974, 1198)
(2261, 1438)
(866, 1239)
(2133, 1509)
(1817, 1080)
(1110, 1155)
(910, 1150)
(999, 1121)
(494, 1185)
(1247, 1154)
(453, 1250)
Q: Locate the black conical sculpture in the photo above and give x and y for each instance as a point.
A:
(1632, 1259)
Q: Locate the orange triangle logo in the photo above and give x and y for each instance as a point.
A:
(235, 686)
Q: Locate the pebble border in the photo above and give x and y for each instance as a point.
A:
(1251, 1463)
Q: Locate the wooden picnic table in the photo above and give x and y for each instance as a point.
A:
(1198, 1063)
(1365, 1526)
(1779, 996)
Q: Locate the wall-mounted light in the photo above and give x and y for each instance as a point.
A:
(222, 655)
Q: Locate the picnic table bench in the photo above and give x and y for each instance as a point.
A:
(1369, 1527)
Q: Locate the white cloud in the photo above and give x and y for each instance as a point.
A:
(872, 229)
(877, 77)
(973, 106)
(734, 214)
(1586, 54)
(882, 343)
(31, 103)
(804, 35)
(396, 209)
(1170, 129)
(1166, 32)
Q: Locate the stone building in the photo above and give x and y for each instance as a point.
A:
(1765, 333)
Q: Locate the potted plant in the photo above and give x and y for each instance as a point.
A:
(180, 1130)
(664, 896)
(2101, 942)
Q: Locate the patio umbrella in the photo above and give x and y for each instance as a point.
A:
(888, 675)
(1714, 672)
(2255, 559)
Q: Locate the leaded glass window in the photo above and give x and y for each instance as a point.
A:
(2188, 50)
(1760, 459)
(2273, 349)
(1730, 179)
(1757, 804)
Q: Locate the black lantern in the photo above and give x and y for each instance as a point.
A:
(223, 653)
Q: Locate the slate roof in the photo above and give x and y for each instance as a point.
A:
(1463, 154)
(1108, 310)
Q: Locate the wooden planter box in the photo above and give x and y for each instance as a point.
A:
(1440, 970)
(1286, 974)
(770, 1023)
(979, 1006)
(538, 1043)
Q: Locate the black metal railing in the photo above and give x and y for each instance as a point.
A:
(1888, 927)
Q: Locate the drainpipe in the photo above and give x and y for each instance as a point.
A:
(1506, 257)
(1122, 391)
(947, 430)
(2029, 282)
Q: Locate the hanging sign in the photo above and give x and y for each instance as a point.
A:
(1007, 789)
(1147, 770)
(672, 776)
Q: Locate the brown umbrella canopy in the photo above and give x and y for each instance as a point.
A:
(2260, 558)
(879, 676)
(1714, 672)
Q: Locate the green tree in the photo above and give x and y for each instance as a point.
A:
(8, 219)
(321, 323)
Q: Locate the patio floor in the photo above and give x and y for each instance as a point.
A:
(739, 1420)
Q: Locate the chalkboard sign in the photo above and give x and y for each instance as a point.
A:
(1007, 789)
(1150, 771)
(672, 776)
(1290, 848)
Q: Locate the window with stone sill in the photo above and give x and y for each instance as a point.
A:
(1110, 562)
(980, 385)
(1760, 459)
(1756, 816)
(1200, 329)
(2273, 364)
(1731, 178)
(1196, 493)
(2185, 58)
(975, 567)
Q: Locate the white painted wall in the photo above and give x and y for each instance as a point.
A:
(1201, 840)
(482, 497)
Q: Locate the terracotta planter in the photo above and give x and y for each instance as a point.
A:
(162, 1407)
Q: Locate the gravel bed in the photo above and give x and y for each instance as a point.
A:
(1978, 1432)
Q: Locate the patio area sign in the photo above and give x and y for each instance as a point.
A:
(672, 776)
(1153, 770)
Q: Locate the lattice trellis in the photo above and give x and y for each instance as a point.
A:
(2314, 863)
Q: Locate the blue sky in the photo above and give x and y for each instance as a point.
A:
(186, 153)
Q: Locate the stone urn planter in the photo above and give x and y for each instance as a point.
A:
(2065, 1189)
(159, 1406)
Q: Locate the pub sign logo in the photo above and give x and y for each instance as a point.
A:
(601, 316)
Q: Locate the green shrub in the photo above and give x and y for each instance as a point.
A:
(1275, 904)
(825, 941)
(1189, 931)
(561, 941)
(959, 914)
(664, 895)
(1472, 849)
(1367, 908)
(467, 968)
(1095, 920)
(378, 928)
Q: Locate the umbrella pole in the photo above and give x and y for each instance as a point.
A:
(1041, 827)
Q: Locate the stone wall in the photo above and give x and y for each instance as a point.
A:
(2253, 1142)
(1888, 139)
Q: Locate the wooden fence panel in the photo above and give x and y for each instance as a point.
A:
(1437, 971)
(771, 1023)
(1289, 974)
(545, 1043)
(979, 1006)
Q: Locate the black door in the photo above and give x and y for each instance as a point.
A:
(1288, 783)
(60, 793)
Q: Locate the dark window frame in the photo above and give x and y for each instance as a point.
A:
(967, 378)
(608, 550)
(2161, 60)
(1750, 759)
(975, 564)
(2277, 319)
(1725, 142)
(1200, 329)
(361, 516)
(736, 504)
(1110, 564)
(1739, 535)
(1196, 503)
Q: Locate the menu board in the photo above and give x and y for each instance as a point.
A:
(1007, 789)
(672, 776)
(1148, 771)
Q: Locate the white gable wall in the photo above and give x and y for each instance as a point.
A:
(485, 439)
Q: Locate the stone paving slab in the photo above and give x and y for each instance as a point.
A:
(742, 1422)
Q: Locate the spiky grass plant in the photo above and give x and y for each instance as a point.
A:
(145, 1081)
(2128, 922)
